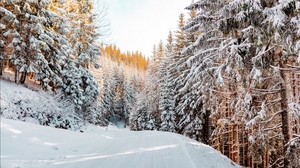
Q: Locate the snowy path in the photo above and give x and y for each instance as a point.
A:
(25, 145)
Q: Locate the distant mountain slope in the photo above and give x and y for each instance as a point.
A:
(26, 145)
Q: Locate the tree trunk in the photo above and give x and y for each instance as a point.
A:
(85, 114)
(17, 75)
(2, 59)
(284, 116)
(23, 77)
(206, 128)
(1, 66)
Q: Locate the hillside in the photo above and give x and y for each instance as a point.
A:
(39, 107)
(26, 145)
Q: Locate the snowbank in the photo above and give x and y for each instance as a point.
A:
(20, 103)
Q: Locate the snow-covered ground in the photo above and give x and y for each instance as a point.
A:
(16, 100)
(26, 145)
(44, 108)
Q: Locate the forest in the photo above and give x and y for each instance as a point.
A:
(228, 76)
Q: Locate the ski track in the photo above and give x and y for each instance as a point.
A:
(25, 145)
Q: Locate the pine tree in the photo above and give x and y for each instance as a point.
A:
(153, 88)
(118, 101)
(139, 116)
(130, 93)
(177, 67)
(83, 91)
(83, 33)
(166, 102)
(13, 32)
(180, 35)
(7, 22)
(189, 106)
(32, 41)
(107, 95)
(191, 36)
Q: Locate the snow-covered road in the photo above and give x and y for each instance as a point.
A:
(25, 145)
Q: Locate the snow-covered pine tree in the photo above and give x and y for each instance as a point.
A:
(178, 69)
(83, 34)
(191, 36)
(13, 33)
(180, 44)
(180, 40)
(7, 22)
(80, 87)
(119, 113)
(138, 117)
(262, 41)
(107, 95)
(193, 115)
(51, 56)
(223, 93)
(32, 41)
(166, 99)
(152, 88)
(130, 93)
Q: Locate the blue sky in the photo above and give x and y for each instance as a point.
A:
(139, 24)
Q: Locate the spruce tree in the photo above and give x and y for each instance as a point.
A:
(153, 88)
(138, 118)
(83, 34)
(166, 102)
(7, 22)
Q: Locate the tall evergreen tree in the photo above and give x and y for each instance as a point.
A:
(153, 88)
(7, 22)
(180, 40)
(130, 98)
(189, 109)
(166, 102)
(107, 95)
(138, 118)
(83, 34)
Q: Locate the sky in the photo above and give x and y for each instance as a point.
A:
(139, 24)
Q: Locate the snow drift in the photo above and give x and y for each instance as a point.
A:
(44, 108)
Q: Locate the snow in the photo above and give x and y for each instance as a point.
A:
(26, 145)
(21, 103)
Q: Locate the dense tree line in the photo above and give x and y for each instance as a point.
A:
(120, 84)
(133, 59)
(121, 79)
(229, 77)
